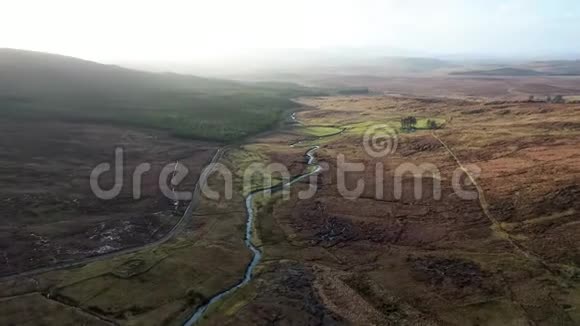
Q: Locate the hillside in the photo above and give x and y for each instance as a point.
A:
(557, 67)
(500, 72)
(389, 66)
(40, 85)
(537, 68)
(415, 64)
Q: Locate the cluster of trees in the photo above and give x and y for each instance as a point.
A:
(549, 99)
(556, 99)
(431, 124)
(408, 123)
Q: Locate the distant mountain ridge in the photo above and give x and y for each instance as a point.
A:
(500, 72)
(536, 68)
(416, 64)
(557, 67)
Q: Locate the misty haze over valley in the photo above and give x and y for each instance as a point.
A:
(258, 162)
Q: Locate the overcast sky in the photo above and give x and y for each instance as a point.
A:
(195, 30)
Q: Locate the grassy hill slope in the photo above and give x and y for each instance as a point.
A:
(500, 72)
(46, 86)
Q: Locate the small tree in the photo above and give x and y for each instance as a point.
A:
(531, 98)
(549, 99)
(558, 99)
(408, 123)
(431, 124)
(404, 123)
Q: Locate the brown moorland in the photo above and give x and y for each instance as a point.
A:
(506, 256)
(49, 215)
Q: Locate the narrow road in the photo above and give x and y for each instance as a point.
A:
(498, 227)
(485, 208)
(250, 214)
(177, 228)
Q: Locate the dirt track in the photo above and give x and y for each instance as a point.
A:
(408, 261)
(183, 221)
(50, 218)
(372, 260)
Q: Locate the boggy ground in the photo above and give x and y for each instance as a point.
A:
(505, 256)
(473, 87)
(372, 260)
(158, 285)
(48, 213)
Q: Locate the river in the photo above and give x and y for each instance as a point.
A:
(256, 252)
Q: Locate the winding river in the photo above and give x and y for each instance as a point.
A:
(257, 254)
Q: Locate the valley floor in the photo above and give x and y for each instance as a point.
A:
(502, 251)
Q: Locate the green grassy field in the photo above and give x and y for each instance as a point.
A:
(319, 131)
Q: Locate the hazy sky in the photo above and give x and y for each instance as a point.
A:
(184, 30)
